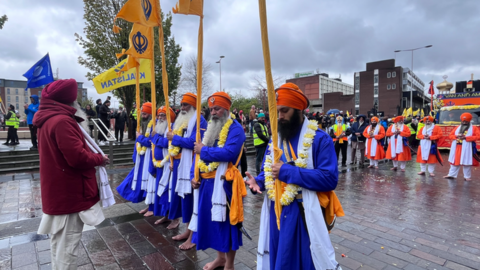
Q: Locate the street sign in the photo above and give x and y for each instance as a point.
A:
(304, 74)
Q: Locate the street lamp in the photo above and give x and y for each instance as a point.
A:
(264, 92)
(411, 83)
(220, 62)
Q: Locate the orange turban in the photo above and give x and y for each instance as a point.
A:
(374, 118)
(163, 109)
(398, 119)
(291, 96)
(428, 118)
(466, 117)
(190, 98)
(147, 108)
(221, 99)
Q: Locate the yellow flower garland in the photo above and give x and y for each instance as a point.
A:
(142, 149)
(291, 190)
(174, 150)
(204, 168)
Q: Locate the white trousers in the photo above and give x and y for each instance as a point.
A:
(373, 162)
(454, 170)
(431, 167)
(64, 244)
(402, 164)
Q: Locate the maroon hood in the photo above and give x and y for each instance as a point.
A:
(50, 108)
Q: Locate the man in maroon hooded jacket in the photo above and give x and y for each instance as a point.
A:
(70, 195)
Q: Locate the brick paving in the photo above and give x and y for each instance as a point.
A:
(394, 220)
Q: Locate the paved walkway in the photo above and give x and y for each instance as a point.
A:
(394, 220)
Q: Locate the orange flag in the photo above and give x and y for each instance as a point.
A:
(143, 12)
(189, 7)
(141, 45)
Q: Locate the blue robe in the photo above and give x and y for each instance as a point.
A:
(290, 247)
(160, 206)
(220, 236)
(125, 188)
(183, 207)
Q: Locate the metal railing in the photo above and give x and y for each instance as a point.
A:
(110, 138)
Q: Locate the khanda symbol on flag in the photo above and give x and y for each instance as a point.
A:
(140, 42)
(147, 8)
(141, 45)
(139, 12)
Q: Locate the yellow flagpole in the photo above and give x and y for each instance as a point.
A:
(152, 84)
(199, 91)
(164, 65)
(272, 103)
(137, 96)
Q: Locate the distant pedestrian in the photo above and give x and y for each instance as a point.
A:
(97, 107)
(260, 140)
(11, 121)
(340, 132)
(30, 111)
(69, 189)
(252, 116)
(90, 115)
(120, 120)
(104, 115)
(358, 140)
(461, 152)
(133, 120)
(374, 148)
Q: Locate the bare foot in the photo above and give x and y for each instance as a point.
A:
(182, 236)
(448, 177)
(432, 174)
(174, 224)
(376, 167)
(403, 170)
(143, 211)
(371, 166)
(148, 214)
(187, 245)
(393, 169)
(468, 179)
(218, 262)
(162, 220)
(421, 173)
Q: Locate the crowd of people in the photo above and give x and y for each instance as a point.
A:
(299, 187)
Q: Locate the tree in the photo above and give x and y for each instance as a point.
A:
(3, 19)
(100, 45)
(85, 102)
(258, 83)
(189, 79)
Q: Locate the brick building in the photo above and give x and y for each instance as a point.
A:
(384, 88)
(325, 93)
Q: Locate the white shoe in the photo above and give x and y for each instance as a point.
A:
(101, 143)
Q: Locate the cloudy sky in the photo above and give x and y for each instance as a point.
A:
(334, 36)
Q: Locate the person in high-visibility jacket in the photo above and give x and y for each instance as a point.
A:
(11, 121)
(420, 125)
(133, 118)
(412, 140)
(340, 132)
(260, 140)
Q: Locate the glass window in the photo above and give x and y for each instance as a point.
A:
(16, 98)
(40, 93)
(394, 86)
(8, 91)
(18, 106)
(375, 78)
(394, 74)
(375, 102)
(357, 112)
(16, 91)
(375, 90)
(357, 98)
(389, 86)
(26, 99)
(389, 75)
(8, 98)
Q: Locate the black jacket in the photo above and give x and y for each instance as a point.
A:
(103, 114)
(259, 131)
(356, 128)
(97, 109)
(120, 119)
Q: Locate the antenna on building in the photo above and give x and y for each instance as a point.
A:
(56, 74)
(472, 77)
(318, 71)
(339, 76)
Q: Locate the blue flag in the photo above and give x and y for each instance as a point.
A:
(40, 74)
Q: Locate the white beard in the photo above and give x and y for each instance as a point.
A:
(183, 118)
(161, 127)
(80, 113)
(213, 130)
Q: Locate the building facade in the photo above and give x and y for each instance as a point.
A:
(13, 92)
(324, 92)
(384, 89)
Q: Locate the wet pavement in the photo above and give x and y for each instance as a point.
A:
(394, 220)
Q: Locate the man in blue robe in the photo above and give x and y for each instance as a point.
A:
(134, 186)
(292, 246)
(213, 226)
(160, 206)
(183, 137)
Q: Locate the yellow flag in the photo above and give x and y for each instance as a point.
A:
(110, 80)
(1, 100)
(416, 112)
(348, 115)
(404, 114)
(422, 114)
(143, 12)
(409, 111)
(141, 44)
(189, 7)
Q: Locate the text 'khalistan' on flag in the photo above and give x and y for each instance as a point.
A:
(115, 78)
